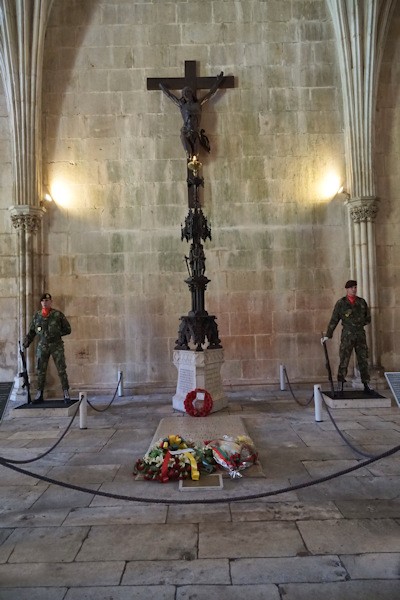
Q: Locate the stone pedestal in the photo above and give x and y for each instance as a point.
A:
(199, 370)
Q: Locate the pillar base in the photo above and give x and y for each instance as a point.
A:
(199, 370)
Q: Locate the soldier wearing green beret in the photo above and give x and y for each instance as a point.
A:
(354, 313)
(49, 325)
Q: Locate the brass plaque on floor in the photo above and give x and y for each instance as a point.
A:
(206, 482)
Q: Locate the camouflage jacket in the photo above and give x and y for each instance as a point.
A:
(49, 329)
(353, 316)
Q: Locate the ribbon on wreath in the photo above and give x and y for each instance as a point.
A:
(194, 471)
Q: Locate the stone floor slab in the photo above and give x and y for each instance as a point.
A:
(156, 592)
(287, 570)
(43, 574)
(200, 514)
(36, 593)
(178, 572)
(283, 511)
(346, 590)
(373, 566)
(140, 542)
(86, 475)
(45, 544)
(33, 518)
(127, 514)
(20, 497)
(238, 540)
(321, 468)
(60, 497)
(224, 592)
(369, 509)
(344, 536)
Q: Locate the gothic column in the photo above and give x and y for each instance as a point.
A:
(22, 33)
(360, 29)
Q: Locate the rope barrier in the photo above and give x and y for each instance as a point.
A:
(277, 492)
(349, 444)
(31, 460)
(100, 410)
(11, 464)
(356, 450)
(291, 391)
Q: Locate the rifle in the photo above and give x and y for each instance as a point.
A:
(24, 374)
(328, 367)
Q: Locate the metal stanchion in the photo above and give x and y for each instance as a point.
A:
(318, 403)
(282, 377)
(120, 383)
(83, 410)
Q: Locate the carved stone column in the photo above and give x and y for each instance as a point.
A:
(27, 222)
(22, 33)
(362, 212)
(360, 30)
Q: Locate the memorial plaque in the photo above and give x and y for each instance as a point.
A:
(393, 380)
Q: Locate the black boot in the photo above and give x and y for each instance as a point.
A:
(67, 397)
(341, 383)
(38, 399)
(367, 390)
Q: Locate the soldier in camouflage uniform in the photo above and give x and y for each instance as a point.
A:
(354, 313)
(49, 325)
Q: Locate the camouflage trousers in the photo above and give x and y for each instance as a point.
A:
(43, 353)
(357, 341)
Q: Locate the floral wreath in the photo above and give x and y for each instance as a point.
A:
(169, 459)
(206, 406)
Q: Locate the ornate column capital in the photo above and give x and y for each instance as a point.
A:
(26, 217)
(363, 209)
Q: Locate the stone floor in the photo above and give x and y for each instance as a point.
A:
(334, 540)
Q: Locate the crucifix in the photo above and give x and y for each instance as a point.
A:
(192, 136)
(198, 325)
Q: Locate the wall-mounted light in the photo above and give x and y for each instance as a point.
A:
(328, 185)
(344, 192)
(46, 200)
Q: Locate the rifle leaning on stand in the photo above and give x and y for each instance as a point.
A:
(328, 367)
(24, 374)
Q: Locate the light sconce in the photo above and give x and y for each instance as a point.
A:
(342, 191)
(47, 198)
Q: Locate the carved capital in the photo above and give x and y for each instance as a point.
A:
(26, 217)
(363, 209)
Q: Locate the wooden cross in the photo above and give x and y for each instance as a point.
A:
(190, 80)
(195, 83)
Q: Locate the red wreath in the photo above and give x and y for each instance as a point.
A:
(205, 408)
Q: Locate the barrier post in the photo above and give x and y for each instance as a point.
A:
(282, 378)
(318, 403)
(83, 410)
(120, 383)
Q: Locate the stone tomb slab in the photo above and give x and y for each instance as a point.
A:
(356, 399)
(200, 429)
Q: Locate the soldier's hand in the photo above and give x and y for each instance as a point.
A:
(25, 344)
(324, 339)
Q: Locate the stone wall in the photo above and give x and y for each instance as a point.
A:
(278, 256)
(388, 219)
(113, 161)
(8, 254)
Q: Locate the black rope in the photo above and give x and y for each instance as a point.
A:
(100, 410)
(31, 460)
(307, 403)
(11, 464)
(24, 462)
(356, 450)
(349, 444)
(210, 500)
